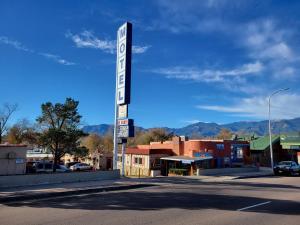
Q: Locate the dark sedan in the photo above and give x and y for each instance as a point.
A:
(287, 167)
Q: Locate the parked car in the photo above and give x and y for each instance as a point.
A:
(62, 169)
(47, 167)
(30, 167)
(80, 167)
(69, 164)
(287, 167)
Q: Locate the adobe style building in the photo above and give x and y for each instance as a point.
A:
(185, 156)
(12, 159)
(143, 161)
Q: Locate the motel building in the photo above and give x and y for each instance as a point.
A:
(181, 156)
(143, 161)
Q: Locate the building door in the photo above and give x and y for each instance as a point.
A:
(108, 164)
(164, 168)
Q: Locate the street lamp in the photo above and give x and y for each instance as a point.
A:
(270, 132)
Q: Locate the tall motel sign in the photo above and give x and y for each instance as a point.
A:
(124, 127)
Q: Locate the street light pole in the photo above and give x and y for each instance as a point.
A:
(270, 131)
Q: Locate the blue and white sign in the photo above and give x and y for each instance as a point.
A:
(124, 46)
(20, 161)
(202, 154)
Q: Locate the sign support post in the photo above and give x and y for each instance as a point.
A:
(115, 156)
(123, 160)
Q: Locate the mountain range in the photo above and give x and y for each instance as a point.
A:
(212, 129)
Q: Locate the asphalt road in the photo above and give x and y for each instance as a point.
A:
(255, 201)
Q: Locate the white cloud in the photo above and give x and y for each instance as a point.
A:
(265, 41)
(139, 49)
(190, 121)
(57, 59)
(179, 16)
(17, 45)
(208, 75)
(193, 121)
(280, 50)
(283, 106)
(288, 71)
(87, 39)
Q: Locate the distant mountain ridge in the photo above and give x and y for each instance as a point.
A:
(212, 129)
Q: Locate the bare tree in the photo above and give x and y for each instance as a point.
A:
(22, 132)
(5, 113)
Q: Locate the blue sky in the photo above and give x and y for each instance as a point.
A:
(209, 61)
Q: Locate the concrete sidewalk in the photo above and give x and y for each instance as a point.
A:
(263, 172)
(66, 189)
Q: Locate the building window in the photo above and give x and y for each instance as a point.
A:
(155, 163)
(239, 153)
(138, 160)
(236, 153)
(220, 146)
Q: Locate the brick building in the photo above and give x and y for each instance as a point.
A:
(187, 156)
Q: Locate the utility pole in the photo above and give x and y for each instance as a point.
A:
(270, 130)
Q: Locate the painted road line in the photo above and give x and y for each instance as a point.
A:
(252, 206)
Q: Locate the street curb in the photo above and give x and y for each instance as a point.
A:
(253, 176)
(70, 193)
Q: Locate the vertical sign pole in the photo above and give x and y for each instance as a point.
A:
(123, 160)
(115, 156)
(123, 80)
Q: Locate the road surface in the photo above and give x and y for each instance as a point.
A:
(174, 201)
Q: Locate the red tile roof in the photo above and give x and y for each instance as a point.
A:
(12, 145)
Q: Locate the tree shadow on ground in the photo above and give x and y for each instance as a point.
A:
(195, 181)
(157, 199)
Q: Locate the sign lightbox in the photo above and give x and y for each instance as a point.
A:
(123, 111)
(125, 131)
(124, 45)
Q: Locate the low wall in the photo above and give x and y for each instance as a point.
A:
(155, 173)
(227, 171)
(34, 179)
